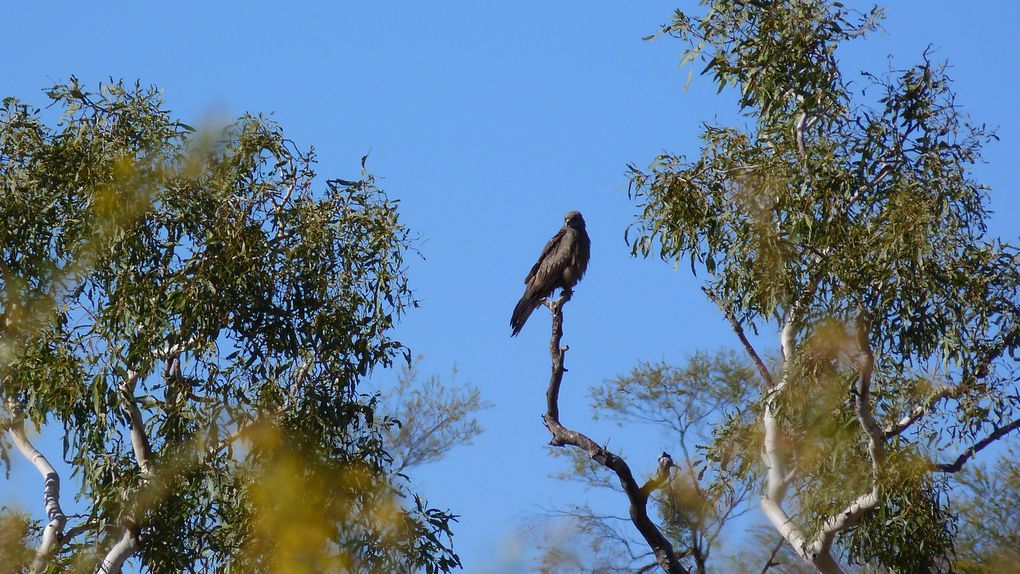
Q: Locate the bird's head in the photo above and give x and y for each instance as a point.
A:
(574, 219)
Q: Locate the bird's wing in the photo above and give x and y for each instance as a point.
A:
(556, 255)
(549, 248)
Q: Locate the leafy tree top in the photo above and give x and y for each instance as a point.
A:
(847, 215)
(196, 292)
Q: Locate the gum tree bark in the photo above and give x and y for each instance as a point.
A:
(637, 495)
(54, 530)
(817, 550)
(114, 560)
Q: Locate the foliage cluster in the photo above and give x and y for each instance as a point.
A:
(844, 215)
(197, 316)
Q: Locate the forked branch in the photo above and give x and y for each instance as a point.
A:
(562, 436)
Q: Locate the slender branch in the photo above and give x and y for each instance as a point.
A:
(637, 495)
(53, 532)
(786, 342)
(876, 436)
(798, 130)
(770, 562)
(70, 533)
(739, 330)
(847, 517)
(971, 381)
(778, 479)
(966, 455)
(820, 548)
(924, 408)
(128, 544)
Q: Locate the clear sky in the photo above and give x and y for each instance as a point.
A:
(489, 120)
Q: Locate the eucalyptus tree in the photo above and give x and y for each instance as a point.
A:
(845, 219)
(195, 313)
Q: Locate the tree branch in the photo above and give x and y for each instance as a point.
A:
(637, 495)
(53, 532)
(739, 330)
(139, 439)
(966, 455)
(118, 555)
(770, 561)
(849, 516)
(778, 479)
(969, 382)
(922, 409)
(846, 518)
(128, 544)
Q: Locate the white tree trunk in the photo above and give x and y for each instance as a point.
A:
(54, 529)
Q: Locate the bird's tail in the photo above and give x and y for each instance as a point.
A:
(521, 313)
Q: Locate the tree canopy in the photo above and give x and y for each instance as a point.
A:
(196, 311)
(844, 216)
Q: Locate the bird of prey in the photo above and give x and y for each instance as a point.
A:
(560, 266)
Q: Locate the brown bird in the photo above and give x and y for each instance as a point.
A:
(561, 265)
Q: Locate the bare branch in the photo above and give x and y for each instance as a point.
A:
(850, 515)
(739, 330)
(971, 381)
(74, 531)
(798, 130)
(637, 495)
(139, 439)
(876, 436)
(847, 517)
(770, 561)
(128, 544)
(922, 409)
(786, 342)
(778, 479)
(966, 455)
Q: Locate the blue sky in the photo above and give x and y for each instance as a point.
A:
(489, 120)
